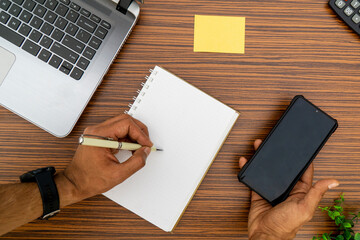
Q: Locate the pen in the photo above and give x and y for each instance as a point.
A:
(108, 143)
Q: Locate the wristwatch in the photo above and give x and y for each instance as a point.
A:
(47, 187)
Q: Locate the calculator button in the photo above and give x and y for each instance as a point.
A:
(348, 11)
(355, 3)
(340, 3)
(356, 18)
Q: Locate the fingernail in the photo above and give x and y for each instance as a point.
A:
(147, 150)
(333, 185)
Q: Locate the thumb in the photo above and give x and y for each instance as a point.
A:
(317, 191)
(136, 161)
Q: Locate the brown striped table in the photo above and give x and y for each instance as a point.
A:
(292, 47)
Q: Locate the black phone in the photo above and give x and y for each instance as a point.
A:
(288, 150)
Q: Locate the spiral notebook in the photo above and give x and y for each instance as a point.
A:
(190, 126)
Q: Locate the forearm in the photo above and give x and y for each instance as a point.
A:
(92, 171)
(21, 203)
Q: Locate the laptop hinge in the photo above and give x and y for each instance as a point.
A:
(123, 5)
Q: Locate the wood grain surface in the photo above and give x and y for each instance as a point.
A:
(292, 47)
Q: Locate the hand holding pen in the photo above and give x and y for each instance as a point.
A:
(95, 170)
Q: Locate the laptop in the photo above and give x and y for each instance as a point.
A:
(55, 53)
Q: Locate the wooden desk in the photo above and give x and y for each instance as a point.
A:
(292, 47)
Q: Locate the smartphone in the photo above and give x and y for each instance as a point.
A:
(288, 150)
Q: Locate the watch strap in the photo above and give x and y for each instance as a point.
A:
(49, 193)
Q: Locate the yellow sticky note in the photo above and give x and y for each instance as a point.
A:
(219, 34)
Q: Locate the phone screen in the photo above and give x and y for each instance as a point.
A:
(288, 150)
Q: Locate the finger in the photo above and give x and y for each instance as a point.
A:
(256, 197)
(142, 126)
(115, 119)
(136, 134)
(307, 177)
(316, 192)
(242, 162)
(134, 163)
(124, 116)
(126, 128)
(257, 143)
(105, 129)
(300, 188)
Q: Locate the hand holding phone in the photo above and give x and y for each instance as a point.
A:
(284, 220)
(288, 150)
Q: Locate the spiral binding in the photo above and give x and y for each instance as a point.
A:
(141, 93)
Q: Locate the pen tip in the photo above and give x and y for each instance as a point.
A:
(160, 150)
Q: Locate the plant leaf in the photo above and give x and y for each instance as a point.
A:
(336, 214)
(338, 220)
(357, 236)
(316, 237)
(324, 208)
(342, 197)
(331, 215)
(347, 235)
(339, 237)
(349, 221)
(346, 225)
(339, 208)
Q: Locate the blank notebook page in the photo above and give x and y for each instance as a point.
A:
(190, 126)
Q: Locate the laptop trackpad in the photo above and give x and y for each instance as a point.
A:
(7, 59)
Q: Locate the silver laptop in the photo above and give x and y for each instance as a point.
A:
(55, 53)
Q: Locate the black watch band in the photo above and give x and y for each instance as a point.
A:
(47, 187)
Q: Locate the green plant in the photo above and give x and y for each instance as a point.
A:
(344, 231)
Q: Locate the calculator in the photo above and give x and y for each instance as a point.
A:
(348, 11)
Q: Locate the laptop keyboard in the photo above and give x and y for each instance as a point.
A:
(59, 32)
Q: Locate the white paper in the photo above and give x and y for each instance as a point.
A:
(190, 126)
